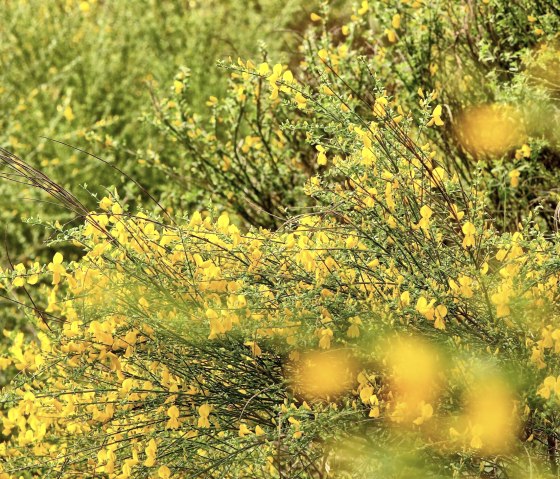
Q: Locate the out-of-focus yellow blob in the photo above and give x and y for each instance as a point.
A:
(415, 368)
(321, 375)
(491, 416)
(490, 130)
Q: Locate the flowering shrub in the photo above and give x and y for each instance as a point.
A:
(493, 89)
(81, 72)
(476, 55)
(390, 328)
(241, 155)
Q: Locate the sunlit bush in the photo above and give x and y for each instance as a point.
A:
(371, 320)
(81, 72)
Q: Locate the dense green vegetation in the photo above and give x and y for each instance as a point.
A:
(82, 72)
(343, 260)
(86, 73)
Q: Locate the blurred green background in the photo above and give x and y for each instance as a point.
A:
(82, 72)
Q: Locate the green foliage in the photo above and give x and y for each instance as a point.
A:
(464, 55)
(239, 157)
(81, 72)
(473, 54)
(381, 299)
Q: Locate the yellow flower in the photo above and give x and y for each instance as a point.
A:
(455, 213)
(439, 176)
(321, 157)
(19, 280)
(426, 412)
(105, 203)
(178, 86)
(549, 385)
(523, 152)
(425, 214)
(490, 129)
(354, 328)
(405, 298)
(255, 349)
(33, 278)
(288, 77)
(151, 451)
(116, 209)
(391, 35)
(164, 472)
(223, 222)
(501, 300)
(436, 116)
(196, 219)
(469, 230)
(514, 178)
(425, 308)
(440, 313)
(68, 113)
(244, 430)
(363, 8)
(379, 106)
(325, 336)
(300, 100)
(204, 413)
(173, 413)
(57, 268)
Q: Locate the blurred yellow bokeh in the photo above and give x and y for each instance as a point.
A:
(490, 130)
(491, 415)
(324, 374)
(415, 368)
